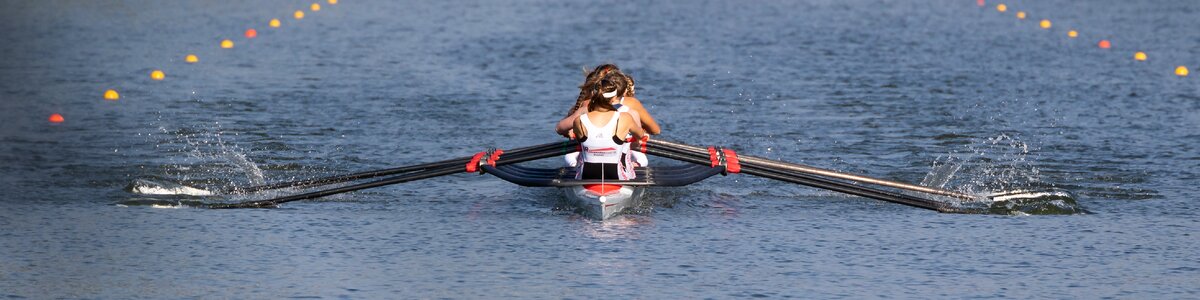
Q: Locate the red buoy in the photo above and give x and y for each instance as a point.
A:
(56, 118)
(251, 33)
(1105, 44)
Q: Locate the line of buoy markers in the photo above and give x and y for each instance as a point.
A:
(191, 58)
(1181, 70)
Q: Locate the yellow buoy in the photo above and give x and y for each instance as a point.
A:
(1072, 34)
(1045, 24)
(111, 95)
(1001, 7)
(1182, 71)
(332, 1)
(1140, 56)
(157, 75)
(274, 23)
(191, 58)
(226, 44)
(315, 7)
(299, 14)
(1021, 15)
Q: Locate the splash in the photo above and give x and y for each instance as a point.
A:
(204, 156)
(146, 186)
(1002, 171)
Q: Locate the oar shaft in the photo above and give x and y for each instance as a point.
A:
(752, 160)
(385, 172)
(523, 156)
(813, 181)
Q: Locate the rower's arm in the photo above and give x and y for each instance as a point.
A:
(631, 124)
(565, 125)
(648, 122)
(577, 127)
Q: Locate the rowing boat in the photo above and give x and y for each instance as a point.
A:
(603, 201)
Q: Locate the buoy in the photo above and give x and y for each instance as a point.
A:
(979, 2)
(299, 14)
(1021, 15)
(226, 44)
(251, 33)
(157, 75)
(56, 118)
(111, 95)
(1140, 56)
(274, 23)
(1001, 7)
(191, 59)
(1045, 24)
(1072, 34)
(1182, 71)
(332, 1)
(1105, 44)
(315, 7)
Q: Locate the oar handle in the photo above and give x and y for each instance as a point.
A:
(763, 162)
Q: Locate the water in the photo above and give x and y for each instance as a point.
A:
(938, 90)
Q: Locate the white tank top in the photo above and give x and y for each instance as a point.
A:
(600, 148)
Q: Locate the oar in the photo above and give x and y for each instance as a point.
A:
(780, 165)
(418, 175)
(392, 171)
(810, 180)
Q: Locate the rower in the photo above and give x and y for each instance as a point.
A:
(602, 132)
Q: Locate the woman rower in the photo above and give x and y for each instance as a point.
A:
(602, 132)
(627, 102)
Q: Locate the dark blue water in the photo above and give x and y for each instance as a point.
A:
(900, 90)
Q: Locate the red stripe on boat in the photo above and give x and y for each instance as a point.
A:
(603, 189)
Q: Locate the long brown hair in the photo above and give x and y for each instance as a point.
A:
(589, 84)
(612, 83)
(628, 92)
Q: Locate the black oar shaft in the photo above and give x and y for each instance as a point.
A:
(758, 161)
(392, 171)
(809, 180)
(424, 174)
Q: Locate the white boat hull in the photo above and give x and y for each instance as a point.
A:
(604, 203)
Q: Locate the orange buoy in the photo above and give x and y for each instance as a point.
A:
(274, 23)
(1072, 34)
(251, 33)
(1105, 44)
(157, 75)
(111, 95)
(315, 7)
(1001, 7)
(226, 44)
(1045, 24)
(1139, 56)
(1182, 71)
(191, 59)
(56, 118)
(299, 14)
(1021, 15)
